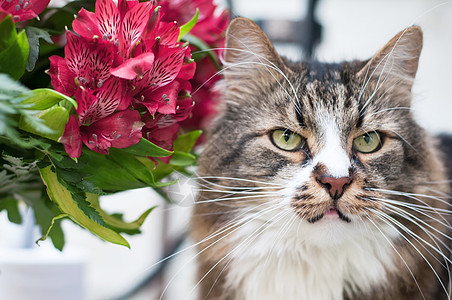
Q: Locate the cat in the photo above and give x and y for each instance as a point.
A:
(316, 181)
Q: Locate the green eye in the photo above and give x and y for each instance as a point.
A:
(367, 143)
(287, 140)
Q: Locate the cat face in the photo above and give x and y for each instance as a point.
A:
(327, 142)
(321, 172)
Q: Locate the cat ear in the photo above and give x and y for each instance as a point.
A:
(398, 59)
(250, 56)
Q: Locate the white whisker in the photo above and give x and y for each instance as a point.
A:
(400, 256)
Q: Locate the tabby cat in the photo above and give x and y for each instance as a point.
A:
(317, 182)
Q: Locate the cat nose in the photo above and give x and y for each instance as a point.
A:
(334, 185)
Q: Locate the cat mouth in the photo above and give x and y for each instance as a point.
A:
(332, 212)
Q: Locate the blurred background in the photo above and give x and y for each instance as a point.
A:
(329, 30)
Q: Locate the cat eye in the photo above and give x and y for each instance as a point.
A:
(368, 142)
(287, 140)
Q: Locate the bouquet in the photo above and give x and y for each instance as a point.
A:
(97, 98)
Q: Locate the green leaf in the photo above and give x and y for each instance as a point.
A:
(10, 205)
(182, 159)
(116, 223)
(147, 148)
(14, 58)
(184, 29)
(33, 36)
(68, 206)
(57, 235)
(53, 122)
(106, 173)
(186, 142)
(7, 32)
(60, 243)
(85, 206)
(134, 166)
(41, 99)
(11, 88)
(45, 211)
(17, 174)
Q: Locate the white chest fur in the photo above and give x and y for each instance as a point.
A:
(279, 263)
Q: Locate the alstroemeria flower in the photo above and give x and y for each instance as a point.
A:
(152, 57)
(87, 63)
(120, 130)
(122, 25)
(124, 58)
(163, 137)
(134, 67)
(210, 29)
(161, 129)
(210, 26)
(23, 10)
(159, 87)
(99, 125)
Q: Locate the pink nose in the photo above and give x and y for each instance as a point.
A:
(335, 186)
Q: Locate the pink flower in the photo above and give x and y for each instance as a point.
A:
(88, 63)
(125, 58)
(151, 56)
(99, 125)
(23, 10)
(210, 29)
(210, 26)
(161, 129)
(163, 137)
(122, 25)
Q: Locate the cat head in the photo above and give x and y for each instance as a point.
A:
(332, 144)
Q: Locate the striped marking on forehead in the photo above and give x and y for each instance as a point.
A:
(332, 154)
(329, 72)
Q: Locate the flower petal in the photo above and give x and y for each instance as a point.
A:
(204, 109)
(132, 27)
(127, 95)
(62, 78)
(168, 33)
(120, 130)
(96, 106)
(187, 71)
(71, 138)
(85, 24)
(164, 70)
(94, 140)
(183, 109)
(163, 137)
(125, 5)
(166, 98)
(3, 14)
(85, 100)
(90, 60)
(108, 18)
(23, 10)
(151, 106)
(134, 67)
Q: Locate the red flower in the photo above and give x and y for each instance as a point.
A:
(122, 25)
(151, 56)
(88, 63)
(161, 129)
(23, 10)
(210, 26)
(163, 137)
(99, 126)
(210, 29)
(124, 55)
